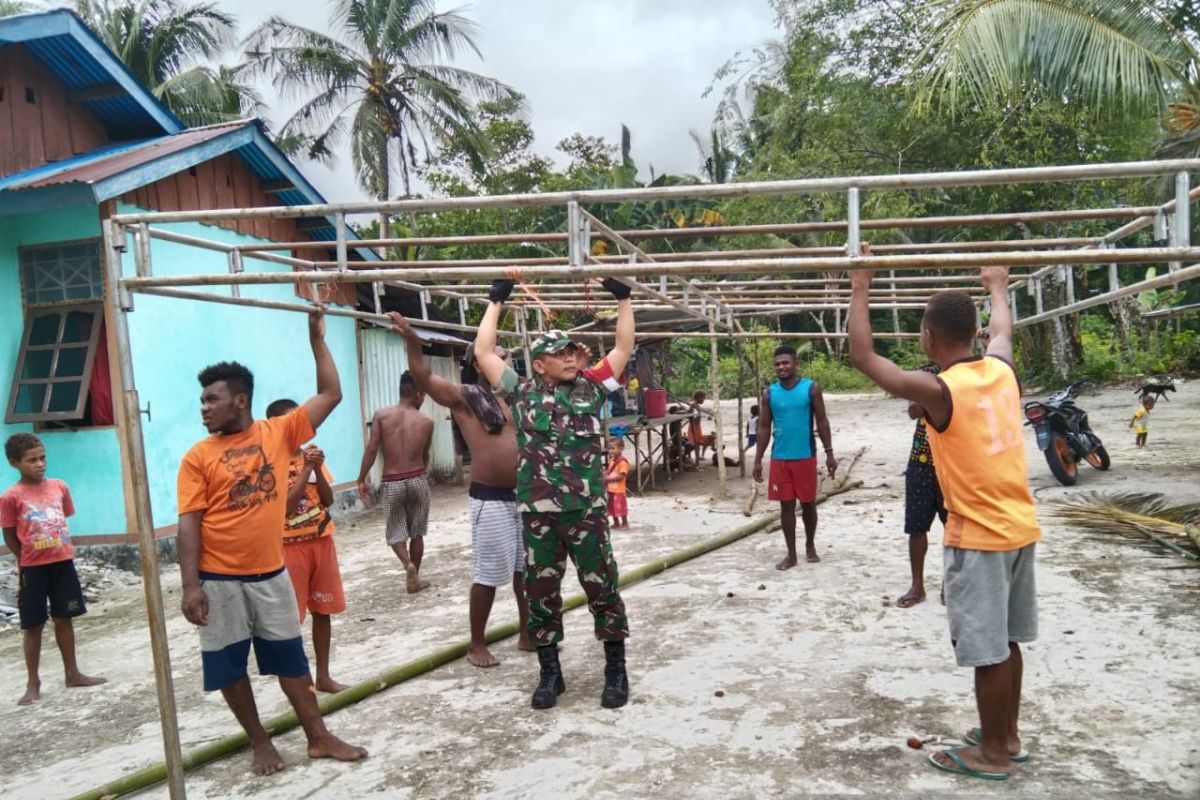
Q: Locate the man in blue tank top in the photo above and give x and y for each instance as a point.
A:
(789, 408)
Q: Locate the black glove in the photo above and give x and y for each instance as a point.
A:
(501, 289)
(618, 289)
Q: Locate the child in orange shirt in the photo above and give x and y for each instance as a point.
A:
(33, 514)
(308, 550)
(614, 481)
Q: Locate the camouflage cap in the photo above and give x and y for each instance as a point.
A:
(550, 342)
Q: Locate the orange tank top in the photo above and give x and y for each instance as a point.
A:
(980, 458)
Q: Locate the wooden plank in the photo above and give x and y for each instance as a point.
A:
(185, 184)
(262, 225)
(52, 102)
(206, 190)
(224, 182)
(27, 116)
(86, 131)
(8, 156)
(241, 192)
(168, 194)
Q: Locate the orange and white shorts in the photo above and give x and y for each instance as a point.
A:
(313, 565)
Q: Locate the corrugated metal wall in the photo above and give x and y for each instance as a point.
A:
(384, 360)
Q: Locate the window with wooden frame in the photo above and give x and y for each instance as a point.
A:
(61, 376)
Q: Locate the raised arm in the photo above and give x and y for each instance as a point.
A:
(441, 390)
(187, 542)
(817, 397)
(622, 350)
(919, 387)
(329, 387)
(1000, 326)
(490, 364)
(764, 432)
(296, 489)
(368, 459)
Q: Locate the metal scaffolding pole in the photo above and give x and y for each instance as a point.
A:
(719, 435)
(138, 484)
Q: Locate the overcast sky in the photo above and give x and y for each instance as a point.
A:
(584, 65)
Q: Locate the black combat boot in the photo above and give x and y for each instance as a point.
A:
(550, 684)
(616, 683)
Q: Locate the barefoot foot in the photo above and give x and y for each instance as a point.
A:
(266, 759)
(787, 563)
(480, 656)
(523, 643)
(412, 583)
(329, 685)
(911, 598)
(811, 554)
(32, 694)
(79, 679)
(329, 746)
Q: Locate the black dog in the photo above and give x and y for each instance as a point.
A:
(1159, 390)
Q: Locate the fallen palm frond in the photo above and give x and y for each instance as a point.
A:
(1139, 516)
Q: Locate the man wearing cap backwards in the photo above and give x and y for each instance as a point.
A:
(560, 486)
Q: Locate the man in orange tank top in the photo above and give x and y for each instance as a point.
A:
(973, 413)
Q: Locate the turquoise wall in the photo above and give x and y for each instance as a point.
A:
(172, 340)
(89, 459)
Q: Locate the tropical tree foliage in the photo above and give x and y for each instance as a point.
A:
(381, 78)
(172, 47)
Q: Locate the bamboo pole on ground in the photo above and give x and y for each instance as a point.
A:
(285, 722)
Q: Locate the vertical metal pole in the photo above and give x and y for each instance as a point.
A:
(1181, 230)
(523, 329)
(236, 265)
(1067, 276)
(340, 224)
(378, 297)
(895, 311)
(462, 311)
(573, 255)
(1012, 303)
(1037, 294)
(741, 429)
(1114, 278)
(141, 241)
(137, 476)
(424, 295)
(853, 233)
(719, 437)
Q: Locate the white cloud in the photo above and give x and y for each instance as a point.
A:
(585, 66)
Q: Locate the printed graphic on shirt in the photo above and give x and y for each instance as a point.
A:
(254, 474)
(47, 525)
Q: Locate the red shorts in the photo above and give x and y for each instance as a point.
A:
(793, 479)
(313, 566)
(618, 505)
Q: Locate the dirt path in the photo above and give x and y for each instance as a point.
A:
(820, 678)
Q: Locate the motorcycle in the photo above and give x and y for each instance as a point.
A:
(1064, 436)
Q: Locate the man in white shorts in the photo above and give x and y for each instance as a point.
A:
(487, 427)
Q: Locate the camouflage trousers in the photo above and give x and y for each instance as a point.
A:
(549, 540)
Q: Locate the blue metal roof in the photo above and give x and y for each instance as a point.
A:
(66, 45)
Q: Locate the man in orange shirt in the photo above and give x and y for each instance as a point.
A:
(232, 505)
(974, 424)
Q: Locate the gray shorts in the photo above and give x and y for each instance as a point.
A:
(405, 507)
(252, 612)
(991, 600)
(497, 541)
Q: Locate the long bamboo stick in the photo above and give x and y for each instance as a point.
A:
(285, 722)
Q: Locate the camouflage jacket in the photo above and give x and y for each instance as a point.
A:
(560, 465)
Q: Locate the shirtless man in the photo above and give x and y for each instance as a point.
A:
(405, 435)
(487, 426)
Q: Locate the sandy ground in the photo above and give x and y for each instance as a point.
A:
(746, 682)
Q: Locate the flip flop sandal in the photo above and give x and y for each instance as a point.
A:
(960, 767)
(973, 737)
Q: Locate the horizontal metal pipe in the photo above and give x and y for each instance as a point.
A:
(1132, 169)
(1184, 274)
(960, 261)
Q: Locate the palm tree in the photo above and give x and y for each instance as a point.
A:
(169, 47)
(1116, 55)
(717, 161)
(382, 79)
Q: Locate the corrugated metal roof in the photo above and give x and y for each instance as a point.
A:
(97, 165)
(65, 44)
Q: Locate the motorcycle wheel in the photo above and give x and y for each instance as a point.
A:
(1098, 458)
(1060, 458)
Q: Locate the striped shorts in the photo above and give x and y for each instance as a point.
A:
(496, 536)
(405, 501)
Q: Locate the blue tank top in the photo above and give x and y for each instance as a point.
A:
(791, 420)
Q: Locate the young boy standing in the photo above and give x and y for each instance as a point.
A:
(560, 486)
(614, 481)
(973, 411)
(922, 502)
(1141, 420)
(308, 550)
(33, 514)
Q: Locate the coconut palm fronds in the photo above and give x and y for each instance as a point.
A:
(1137, 515)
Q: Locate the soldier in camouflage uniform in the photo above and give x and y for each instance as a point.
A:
(560, 486)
